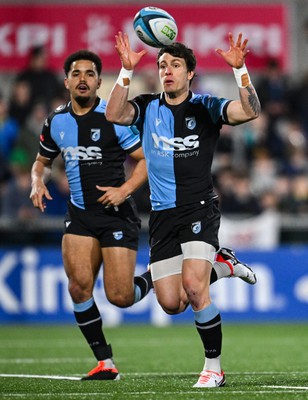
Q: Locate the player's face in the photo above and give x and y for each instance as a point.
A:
(83, 81)
(173, 75)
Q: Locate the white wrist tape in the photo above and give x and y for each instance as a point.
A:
(125, 77)
(242, 76)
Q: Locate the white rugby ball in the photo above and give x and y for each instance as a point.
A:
(155, 27)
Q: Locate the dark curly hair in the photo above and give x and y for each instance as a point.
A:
(82, 55)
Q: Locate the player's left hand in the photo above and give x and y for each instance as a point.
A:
(235, 56)
(113, 196)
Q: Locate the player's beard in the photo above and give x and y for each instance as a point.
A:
(82, 100)
(172, 95)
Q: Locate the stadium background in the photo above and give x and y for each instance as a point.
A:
(32, 281)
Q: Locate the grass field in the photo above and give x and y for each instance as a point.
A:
(267, 362)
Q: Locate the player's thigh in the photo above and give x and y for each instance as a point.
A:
(167, 280)
(82, 258)
(119, 268)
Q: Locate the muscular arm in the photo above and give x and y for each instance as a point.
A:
(118, 109)
(40, 174)
(245, 109)
(248, 107)
(114, 196)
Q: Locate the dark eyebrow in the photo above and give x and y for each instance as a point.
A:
(88, 70)
(173, 60)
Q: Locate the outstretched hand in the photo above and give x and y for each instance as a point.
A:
(235, 56)
(128, 57)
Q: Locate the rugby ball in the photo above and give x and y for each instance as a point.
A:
(155, 27)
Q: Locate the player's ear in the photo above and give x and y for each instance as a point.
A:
(191, 74)
(99, 83)
(66, 83)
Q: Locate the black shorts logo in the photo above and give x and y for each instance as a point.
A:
(196, 227)
(118, 235)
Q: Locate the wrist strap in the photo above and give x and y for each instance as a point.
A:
(242, 76)
(125, 77)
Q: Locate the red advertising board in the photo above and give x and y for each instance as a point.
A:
(67, 28)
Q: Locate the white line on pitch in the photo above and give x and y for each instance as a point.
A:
(70, 378)
(288, 387)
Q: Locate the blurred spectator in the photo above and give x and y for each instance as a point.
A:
(282, 189)
(235, 194)
(299, 194)
(224, 149)
(20, 101)
(249, 139)
(272, 89)
(269, 200)
(43, 82)
(4, 177)
(263, 172)
(224, 181)
(299, 103)
(28, 138)
(8, 130)
(296, 162)
(15, 197)
(273, 93)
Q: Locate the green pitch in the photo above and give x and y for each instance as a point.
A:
(261, 361)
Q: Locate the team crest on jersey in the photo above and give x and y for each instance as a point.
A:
(118, 235)
(190, 122)
(62, 135)
(196, 227)
(95, 134)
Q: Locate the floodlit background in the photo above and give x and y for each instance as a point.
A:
(260, 169)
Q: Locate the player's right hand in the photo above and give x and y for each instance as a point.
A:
(38, 193)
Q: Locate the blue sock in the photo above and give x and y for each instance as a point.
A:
(80, 307)
(137, 293)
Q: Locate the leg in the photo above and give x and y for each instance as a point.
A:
(227, 265)
(197, 266)
(82, 261)
(171, 294)
(196, 277)
(167, 280)
(121, 287)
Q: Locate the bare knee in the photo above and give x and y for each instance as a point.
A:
(120, 298)
(197, 293)
(173, 306)
(79, 292)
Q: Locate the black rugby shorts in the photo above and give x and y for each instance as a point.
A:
(194, 222)
(112, 227)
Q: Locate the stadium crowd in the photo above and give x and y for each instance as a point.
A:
(258, 166)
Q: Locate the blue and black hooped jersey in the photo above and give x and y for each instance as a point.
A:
(178, 143)
(93, 150)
